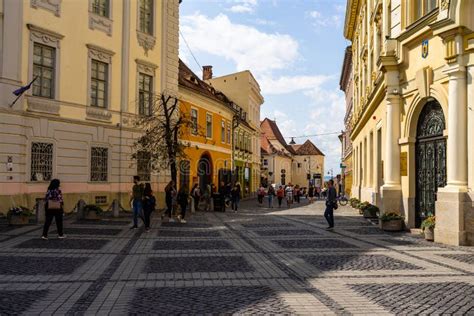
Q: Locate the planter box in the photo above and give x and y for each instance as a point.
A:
(394, 225)
(91, 215)
(19, 220)
(429, 234)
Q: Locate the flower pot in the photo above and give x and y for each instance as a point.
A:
(394, 225)
(370, 213)
(429, 234)
(91, 215)
(19, 220)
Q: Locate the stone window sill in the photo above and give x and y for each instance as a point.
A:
(101, 23)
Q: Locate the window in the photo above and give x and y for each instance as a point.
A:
(228, 133)
(208, 125)
(265, 162)
(421, 7)
(101, 7)
(223, 131)
(145, 94)
(194, 121)
(143, 165)
(99, 163)
(41, 161)
(43, 70)
(146, 16)
(99, 83)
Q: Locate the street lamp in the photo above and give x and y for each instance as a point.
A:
(331, 173)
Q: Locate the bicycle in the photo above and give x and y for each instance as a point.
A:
(342, 200)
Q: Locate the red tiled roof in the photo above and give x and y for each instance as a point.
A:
(307, 148)
(271, 131)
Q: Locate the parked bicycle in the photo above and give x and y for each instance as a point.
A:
(342, 200)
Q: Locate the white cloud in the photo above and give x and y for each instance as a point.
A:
(323, 20)
(289, 84)
(246, 46)
(243, 6)
(265, 22)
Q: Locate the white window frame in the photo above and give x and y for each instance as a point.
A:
(195, 128)
(147, 68)
(99, 22)
(211, 116)
(105, 56)
(147, 41)
(223, 131)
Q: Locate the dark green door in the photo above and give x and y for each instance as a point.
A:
(430, 159)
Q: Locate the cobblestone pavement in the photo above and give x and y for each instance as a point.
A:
(256, 261)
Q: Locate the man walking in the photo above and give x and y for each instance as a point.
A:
(331, 204)
(136, 200)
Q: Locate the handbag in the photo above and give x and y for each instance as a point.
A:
(54, 205)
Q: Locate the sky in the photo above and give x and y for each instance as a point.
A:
(294, 48)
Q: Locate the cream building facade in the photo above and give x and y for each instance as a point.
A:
(413, 126)
(97, 65)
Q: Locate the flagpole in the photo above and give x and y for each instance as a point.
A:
(16, 99)
(29, 85)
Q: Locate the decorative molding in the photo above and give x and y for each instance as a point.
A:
(101, 23)
(146, 41)
(95, 113)
(444, 5)
(53, 6)
(146, 67)
(44, 36)
(100, 54)
(42, 105)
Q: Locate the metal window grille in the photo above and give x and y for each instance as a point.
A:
(146, 16)
(43, 69)
(143, 165)
(41, 161)
(101, 199)
(101, 7)
(99, 83)
(99, 163)
(209, 125)
(145, 97)
(194, 120)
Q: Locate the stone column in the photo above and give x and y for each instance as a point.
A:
(451, 203)
(470, 127)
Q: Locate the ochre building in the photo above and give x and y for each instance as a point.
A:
(413, 118)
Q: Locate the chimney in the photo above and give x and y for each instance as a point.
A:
(206, 72)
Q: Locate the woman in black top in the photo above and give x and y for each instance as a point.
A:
(183, 197)
(149, 204)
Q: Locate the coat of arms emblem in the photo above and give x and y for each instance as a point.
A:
(424, 49)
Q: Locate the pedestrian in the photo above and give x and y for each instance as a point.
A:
(260, 195)
(311, 194)
(280, 195)
(54, 209)
(331, 204)
(207, 197)
(289, 195)
(196, 194)
(235, 195)
(136, 200)
(149, 205)
(169, 192)
(183, 197)
(271, 194)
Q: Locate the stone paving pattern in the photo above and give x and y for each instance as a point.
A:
(256, 261)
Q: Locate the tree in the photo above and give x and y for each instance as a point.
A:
(162, 123)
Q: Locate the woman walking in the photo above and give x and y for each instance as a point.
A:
(149, 204)
(169, 192)
(260, 195)
(280, 195)
(196, 194)
(271, 194)
(311, 194)
(331, 204)
(54, 209)
(235, 195)
(183, 197)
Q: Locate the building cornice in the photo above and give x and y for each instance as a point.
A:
(352, 8)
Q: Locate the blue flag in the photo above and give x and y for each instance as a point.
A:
(20, 90)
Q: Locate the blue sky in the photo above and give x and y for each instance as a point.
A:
(294, 48)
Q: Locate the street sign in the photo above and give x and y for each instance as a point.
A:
(342, 166)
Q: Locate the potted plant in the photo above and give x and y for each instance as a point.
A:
(371, 211)
(427, 226)
(391, 221)
(92, 211)
(363, 206)
(19, 216)
(354, 202)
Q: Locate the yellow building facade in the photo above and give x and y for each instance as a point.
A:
(209, 145)
(92, 61)
(413, 127)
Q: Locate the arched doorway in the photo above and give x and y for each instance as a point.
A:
(204, 171)
(430, 159)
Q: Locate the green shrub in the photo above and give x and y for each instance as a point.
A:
(391, 216)
(429, 222)
(354, 202)
(373, 209)
(364, 205)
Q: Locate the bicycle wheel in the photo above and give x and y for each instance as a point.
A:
(343, 201)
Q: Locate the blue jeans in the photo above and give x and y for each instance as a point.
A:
(329, 214)
(137, 208)
(235, 203)
(270, 201)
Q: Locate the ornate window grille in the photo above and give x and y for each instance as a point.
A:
(145, 97)
(194, 120)
(99, 83)
(101, 7)
(143, 165)
(41, 161)
(228, 133)
(223, 131)
(209, 125)
(99, 163)
(43, 68)
(146, 16)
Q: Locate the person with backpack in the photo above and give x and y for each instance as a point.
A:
(183, 198)
(149, 205)
(136, 200)
(280, 195)
(331, 204)
(271, 194)
(260, 195)
(54, 209)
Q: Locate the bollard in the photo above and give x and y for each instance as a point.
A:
(115, 208)
(80, 209)
(40, 211)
